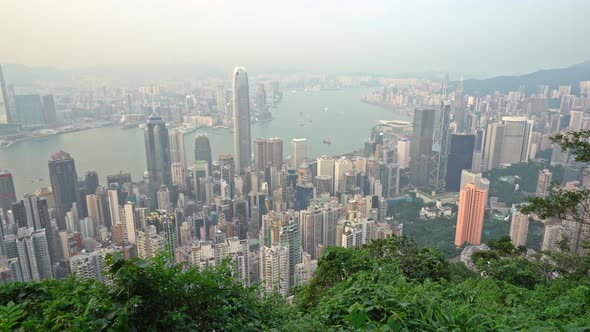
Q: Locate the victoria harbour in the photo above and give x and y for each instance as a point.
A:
(337, 115)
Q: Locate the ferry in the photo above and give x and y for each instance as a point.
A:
(327, 140)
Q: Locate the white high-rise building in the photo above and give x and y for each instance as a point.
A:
(163, 196)
(403, 153)
(130, 222)
(274, 269)
(517, 140)
(207, 254)
(177, 146)
(576, 120)
(114, 207)
(241, 108)
(326, 166)
(32, 250)
(519, 228)
(493, 147)
(178, 175)
(299, 148)
(149, 243)
(356, 232)
(543, 183)
(90, 265)
(552, 235)
(341, 166)
(468, 177)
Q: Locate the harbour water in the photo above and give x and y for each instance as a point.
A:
(316, 115)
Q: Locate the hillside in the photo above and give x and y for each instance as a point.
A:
(388, 285)
(553, 77)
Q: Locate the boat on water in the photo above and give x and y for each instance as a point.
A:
(327, 140)
(142, 126)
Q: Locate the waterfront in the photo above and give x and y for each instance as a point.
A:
(316, 115)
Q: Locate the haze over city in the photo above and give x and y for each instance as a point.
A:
(487, 37)
(294, 165)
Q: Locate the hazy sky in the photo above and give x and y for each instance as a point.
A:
(473, 36)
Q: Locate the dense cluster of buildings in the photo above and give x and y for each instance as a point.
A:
(272, 217)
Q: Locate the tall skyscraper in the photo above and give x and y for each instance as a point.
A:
(64, 184)
(460, 158)
(4, 110)
(29, 110)
(274, 152)
(91, 181)
(220, 98)
(403, 153)
(421, 147)
(95, 209)
(519, 228)
(203, 150)
(494, 142)
(177, 146)
(517, 140)
(49, 111)
(472, 204)
(274, 269)
(543, 183)
(459, 115)
(576, 120)
(260, 158)
(7, 191)
(37, 212)
(341, 166)
(299, 148)
(157, 150)
(227, 168)
(241, 105)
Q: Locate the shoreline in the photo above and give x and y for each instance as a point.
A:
(10, 143)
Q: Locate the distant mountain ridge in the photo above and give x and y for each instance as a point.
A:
(553, 77)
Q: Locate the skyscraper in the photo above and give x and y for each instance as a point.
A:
(177, 146)
(421, 147)
(49, 111)
(64, 184)
(403, 152)
(203, 150)
(32, 250)
(459, 115)
(274, 152)
(460, 158)
(299, 148)
(241, 105)
(494, 141)
(227, 168)
(519, 228)
(517, 140)
(29, 110)
(472, 204)
(220, 98)
(157, 150)
(91, 181)
(7, 191)
(543, 183)
(4, 111)
(260, 158)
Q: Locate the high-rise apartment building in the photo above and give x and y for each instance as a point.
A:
(90, 265)
(274, 269)
(544, 183)
(468, 177)
(157, 150)
(519, 228)
(64, 184)
(32, 251)
(178, 176)
(576, 120)
(241, 108)
(421, 147)
(299, 147)
(472, 204)
(91, 181)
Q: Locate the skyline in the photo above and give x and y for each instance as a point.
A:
(379, 36)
